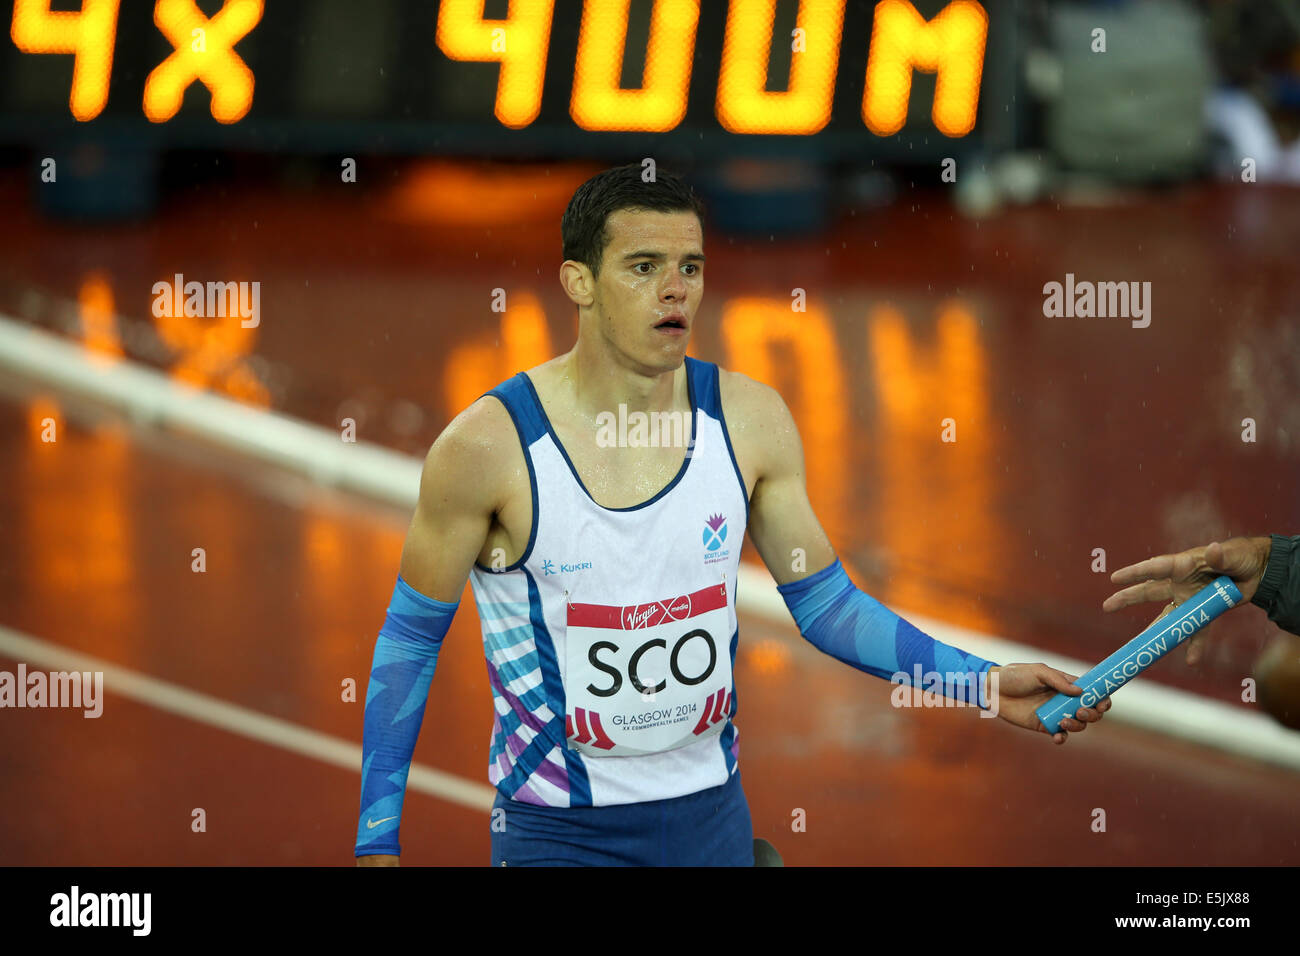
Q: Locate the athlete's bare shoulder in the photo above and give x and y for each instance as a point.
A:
(470, 477)
(759, 423)
(746, 395)
(480, 447)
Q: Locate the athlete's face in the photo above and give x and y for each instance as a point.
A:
(650, 284)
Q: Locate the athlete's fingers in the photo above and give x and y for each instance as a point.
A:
(1059, 681)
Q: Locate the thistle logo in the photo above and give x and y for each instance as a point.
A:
(715, 532)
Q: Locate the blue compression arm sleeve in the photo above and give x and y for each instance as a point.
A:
(405, 655)
(852, 626)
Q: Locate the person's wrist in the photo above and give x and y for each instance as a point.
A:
(987, 681)
(1272, 573)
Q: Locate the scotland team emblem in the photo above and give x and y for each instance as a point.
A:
(715, 532)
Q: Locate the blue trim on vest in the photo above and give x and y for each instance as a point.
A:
(515, 391)
(714, 407)
(527, 762)
(705, 375)
(552, 734)
(728, 740)
(579, 783)
(513, 394)
(728, 736)
(681, 472)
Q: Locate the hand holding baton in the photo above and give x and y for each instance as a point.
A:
(1137, 655)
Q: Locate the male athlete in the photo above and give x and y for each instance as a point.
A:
(605, 577)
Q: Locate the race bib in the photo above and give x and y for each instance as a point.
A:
(645, 678)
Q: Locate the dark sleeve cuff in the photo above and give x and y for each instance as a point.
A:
(1277, 570)
(981, 697)
(379, 849)
(796, 588)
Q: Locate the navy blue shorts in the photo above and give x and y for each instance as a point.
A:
(708, 828)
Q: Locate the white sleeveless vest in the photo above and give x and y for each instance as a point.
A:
(610, 643)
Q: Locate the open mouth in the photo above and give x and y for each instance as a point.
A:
(672, 323)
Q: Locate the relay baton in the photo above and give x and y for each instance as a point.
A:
(1144, 650)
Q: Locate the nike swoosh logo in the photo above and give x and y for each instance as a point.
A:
(371, 824)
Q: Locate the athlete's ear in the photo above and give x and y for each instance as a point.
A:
(577, 281)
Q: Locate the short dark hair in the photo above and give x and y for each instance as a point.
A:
(582, 227)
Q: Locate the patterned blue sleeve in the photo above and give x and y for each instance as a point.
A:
(852, 626)
(400, 674)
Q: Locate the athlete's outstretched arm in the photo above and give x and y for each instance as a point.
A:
(452, 517)
(847, 623)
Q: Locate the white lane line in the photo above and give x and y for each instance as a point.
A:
(151, 397)
(1146, 704)
(237, 720)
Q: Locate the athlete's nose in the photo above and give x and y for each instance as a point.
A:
(674, 287)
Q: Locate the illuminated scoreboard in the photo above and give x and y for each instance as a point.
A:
(837, 77)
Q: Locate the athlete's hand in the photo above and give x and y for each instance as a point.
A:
(377, 859)
(1017, 690)
(1176, 577)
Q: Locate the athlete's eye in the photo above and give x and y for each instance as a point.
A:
(640, 264)
(694, 267)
